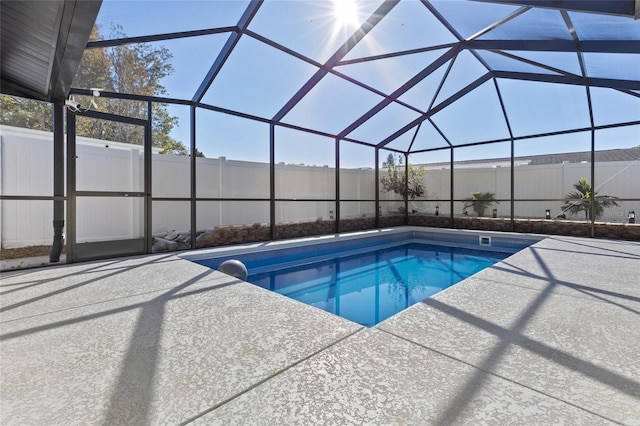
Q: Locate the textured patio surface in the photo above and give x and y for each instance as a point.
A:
(550, 335)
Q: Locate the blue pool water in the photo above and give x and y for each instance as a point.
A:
(367, 279)
(369, 287)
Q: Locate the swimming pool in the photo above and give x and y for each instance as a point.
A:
(368, 278)
(370, 287)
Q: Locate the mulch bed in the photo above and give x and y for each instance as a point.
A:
(22, 252)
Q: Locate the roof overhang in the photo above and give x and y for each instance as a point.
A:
(41, 44)
(628, 8)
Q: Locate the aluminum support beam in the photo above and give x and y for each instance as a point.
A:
(567, 79)
(525, 137)
(71, 188)
(337, 200)
(438, 108)
(193, 174)
(512, 155)
(609, 7)
(497, 24)
(377, 185)
(453, 31)
(101, 44)
(148, 180)
(587, 46)
(58, 182)
(400, 91)
(272, 181)
(451, 188)
(406, 187)
(228, 47)
(366, 27)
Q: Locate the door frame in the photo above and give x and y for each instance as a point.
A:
(106, 249)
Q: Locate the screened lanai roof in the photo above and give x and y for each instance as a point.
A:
(405, 75)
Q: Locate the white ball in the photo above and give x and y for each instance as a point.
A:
(235, 268)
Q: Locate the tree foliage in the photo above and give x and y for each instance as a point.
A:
(580, 200)
(479, 202)
(396, 178)
(136, 69)
(27, 113)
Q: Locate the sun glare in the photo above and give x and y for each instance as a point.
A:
(346, 12)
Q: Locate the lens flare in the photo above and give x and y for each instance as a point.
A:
(346, 12)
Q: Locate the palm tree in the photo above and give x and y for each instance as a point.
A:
(581, 200)
(479, 202)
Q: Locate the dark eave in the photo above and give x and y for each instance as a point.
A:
(628, 8)
(41, 45)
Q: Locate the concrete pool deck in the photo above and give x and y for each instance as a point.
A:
(551, 335)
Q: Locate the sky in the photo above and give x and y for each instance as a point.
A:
(259, 80)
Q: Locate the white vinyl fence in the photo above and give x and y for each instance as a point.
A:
(26, 168)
